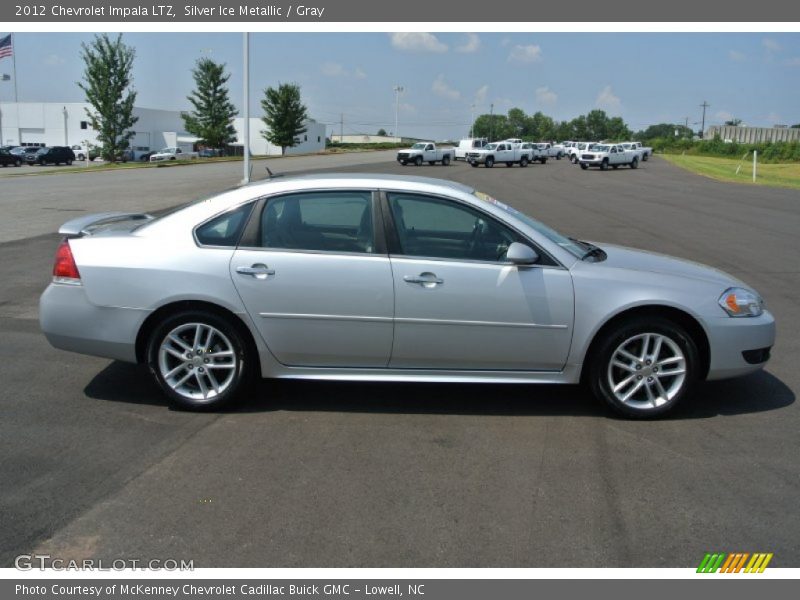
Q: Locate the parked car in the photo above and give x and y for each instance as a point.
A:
(6, 158)
(210, 153)
(172, 153)
(465, 145)
(646, 151)
(122, 156)
(501, 152)
(425, 152)
(551, 151)
(387, 278)
(23, 150)
(50, 155)
(608, 155)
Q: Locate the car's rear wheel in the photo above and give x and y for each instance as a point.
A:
(574, 159)
(635, 163)
(446, 160)
(68, 162)
(199, 359)
(644, 367)
(523, 162)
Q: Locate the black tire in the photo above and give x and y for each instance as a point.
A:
(69, 162)
(604, 165)
(404, 162)
(584, 166)
(431, 162)
(543, 160)
(635, 162)
(418, 161)
(172, 158)
(523, 162)
(509, 164)
(472, 163)
(489, 162)
(615, 167)
(559, 156)
(600, 368)
(243, 372)
(18, 163)
(645, 157)
(80, 157)
(446, 160)
(574, 159)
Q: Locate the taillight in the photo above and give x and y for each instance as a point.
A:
(65, 270)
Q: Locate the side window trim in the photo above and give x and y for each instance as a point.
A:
(393, 239)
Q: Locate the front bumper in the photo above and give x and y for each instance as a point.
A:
(733, 342)
(70, 322)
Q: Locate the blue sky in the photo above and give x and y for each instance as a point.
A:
(645, 78)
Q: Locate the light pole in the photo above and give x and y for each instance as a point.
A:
(398, 89)
(491, 122)
(3, 77)
(66, 136)
(246, 107)
(471, 120)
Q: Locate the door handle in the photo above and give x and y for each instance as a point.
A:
(258, 270)
(428, 280)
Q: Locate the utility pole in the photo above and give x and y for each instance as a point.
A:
(341, 129)
(705, 105)
(491, 122)
(398, 89)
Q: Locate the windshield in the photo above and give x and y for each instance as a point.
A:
(550, 234)
(490, 146)
(419, 146)
(42, 150)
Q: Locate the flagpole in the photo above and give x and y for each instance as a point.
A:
(14, 62)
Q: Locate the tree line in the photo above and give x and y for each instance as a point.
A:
(108, 88)
(595, 125)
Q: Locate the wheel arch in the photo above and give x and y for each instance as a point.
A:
(154, 318)
(677, 315)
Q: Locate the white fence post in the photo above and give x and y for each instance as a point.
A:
(755, 161)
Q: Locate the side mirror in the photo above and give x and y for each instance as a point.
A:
(520, 254)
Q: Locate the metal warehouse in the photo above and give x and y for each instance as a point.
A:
(67, 124)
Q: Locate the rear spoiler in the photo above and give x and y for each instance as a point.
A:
(86, 224)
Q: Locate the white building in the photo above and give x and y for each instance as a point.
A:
(67, 124)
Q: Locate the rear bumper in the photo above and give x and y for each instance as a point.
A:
(70, 322)
(737, 345)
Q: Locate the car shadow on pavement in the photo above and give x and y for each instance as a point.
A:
(123, 382)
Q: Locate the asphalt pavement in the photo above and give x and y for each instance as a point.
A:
(316, 474)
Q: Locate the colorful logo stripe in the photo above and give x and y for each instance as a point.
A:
(734, 562)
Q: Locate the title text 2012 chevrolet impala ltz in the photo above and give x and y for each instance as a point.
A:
(383, 278)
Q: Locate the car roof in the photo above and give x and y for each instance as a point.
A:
(370, 180)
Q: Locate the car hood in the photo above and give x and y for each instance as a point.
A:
(651, 262)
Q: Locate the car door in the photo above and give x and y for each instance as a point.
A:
(458, 305)
(316, 280)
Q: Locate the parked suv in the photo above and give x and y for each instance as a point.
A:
(55, 155)
(6, 158)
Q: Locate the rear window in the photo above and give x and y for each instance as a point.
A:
(226, 229)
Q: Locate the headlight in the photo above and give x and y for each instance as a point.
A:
(738, 302)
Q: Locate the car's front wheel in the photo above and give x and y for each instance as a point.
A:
(644, 367)
(199, 359)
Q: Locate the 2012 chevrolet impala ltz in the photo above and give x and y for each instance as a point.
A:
(385, 278)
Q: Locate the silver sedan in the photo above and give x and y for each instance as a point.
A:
(382, 278)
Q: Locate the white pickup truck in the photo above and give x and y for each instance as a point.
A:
(645, 151)
(551, 151)
(608, 155)
(574, 151)
(172, 153)
(425, 152)
(501, 152)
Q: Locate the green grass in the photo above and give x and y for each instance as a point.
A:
(785, 175)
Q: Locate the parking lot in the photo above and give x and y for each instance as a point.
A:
(313, 474)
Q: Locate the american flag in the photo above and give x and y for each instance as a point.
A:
(5, 46)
